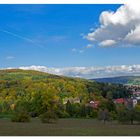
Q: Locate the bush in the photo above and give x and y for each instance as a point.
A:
(33, 114)
(123, 116)
(94, 114)
(20, 117)
(62, 114)
(48, 117)
(113, 115)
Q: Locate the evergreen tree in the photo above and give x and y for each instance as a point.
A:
(69, 108)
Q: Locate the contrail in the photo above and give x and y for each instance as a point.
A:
(21, 37)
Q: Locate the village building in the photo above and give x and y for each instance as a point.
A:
(71, 100)
(93, 104)
(128, 102)
(135, 102)
(119, 101)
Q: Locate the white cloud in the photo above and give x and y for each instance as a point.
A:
(74, 50)
(9, 57)
(89, 72)
(107, 43)
(81, 51)
(134, 36)
(121, 26)
(89, 46)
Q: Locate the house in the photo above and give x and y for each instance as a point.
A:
(119, 101)
(72, 100)
(137, 93)
(94, 104)
(138, 98)
(134, 102)
(128, 102)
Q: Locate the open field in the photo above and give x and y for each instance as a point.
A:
(67, 127)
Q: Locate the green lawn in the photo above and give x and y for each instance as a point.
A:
(67, 127)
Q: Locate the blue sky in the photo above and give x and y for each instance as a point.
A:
(55, 31)
(65, 36)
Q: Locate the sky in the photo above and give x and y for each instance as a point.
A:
(86, 41)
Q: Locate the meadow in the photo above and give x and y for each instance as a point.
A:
(67, 127)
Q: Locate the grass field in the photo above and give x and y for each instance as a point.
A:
(67, 127)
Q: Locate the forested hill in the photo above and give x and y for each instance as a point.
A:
(134, 80)
(36, 92)
(16, 78)
(16, 84)
(19, 75)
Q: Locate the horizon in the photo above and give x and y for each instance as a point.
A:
(100, 41)
(86, 72)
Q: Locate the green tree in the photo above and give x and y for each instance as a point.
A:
(83, 110)
(129, 115)
(137, 111)
(109, 95)
(49, 117)
(20, 112)
(69, 108)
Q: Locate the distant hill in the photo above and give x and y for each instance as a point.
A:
(134, 80)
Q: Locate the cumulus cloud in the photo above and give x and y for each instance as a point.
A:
(134, 36)
(89, 72)
(120, 27)
(107, 43)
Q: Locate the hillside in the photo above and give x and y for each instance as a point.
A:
(33, 92)
(38, 89)
(23, 79)
(134, 80)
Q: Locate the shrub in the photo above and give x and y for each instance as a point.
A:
(113, 115)
(33, 114)
(20, 117)
(124, 116)
(94, 114)
(48, 117)
(62, 114)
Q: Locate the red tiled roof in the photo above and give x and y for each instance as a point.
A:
(119, 100)
(94, 104)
